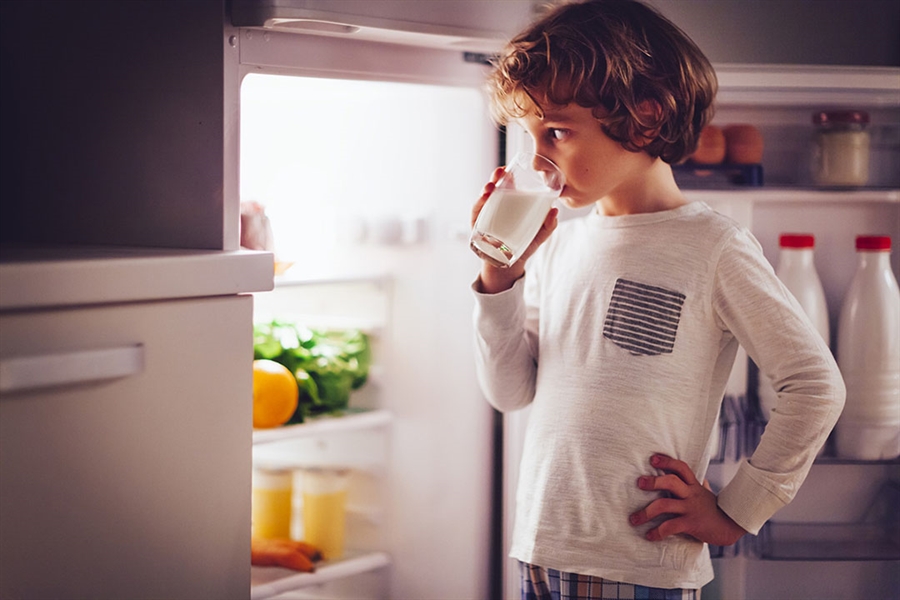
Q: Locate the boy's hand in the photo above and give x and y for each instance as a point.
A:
(494, 279)
(692, 507)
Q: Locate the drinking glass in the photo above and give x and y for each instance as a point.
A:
(516, 208)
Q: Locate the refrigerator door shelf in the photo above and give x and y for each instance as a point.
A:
(356, 440)
(346, 422)
(807, 85)
(268, 582)
(829, 542)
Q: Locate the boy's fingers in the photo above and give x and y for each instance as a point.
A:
(669, 483)
(549, 226)
(665, 529)
(479, 204)
(663, 506)
(486, 192)
(680, 468)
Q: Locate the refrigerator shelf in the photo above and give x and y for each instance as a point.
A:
(718, 176)
(347, 421)
(874, 536)
(268, 582)
(755, 425)
(806, 85)
(828, 542)
(862, 195)
(833, 460)
(730, 424)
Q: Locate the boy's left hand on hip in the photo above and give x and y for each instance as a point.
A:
(691, 508)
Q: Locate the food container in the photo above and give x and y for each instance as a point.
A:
(325, 509)
(743, 144)
(841, 148)
(271, 503)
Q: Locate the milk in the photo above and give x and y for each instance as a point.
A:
(797, 271)
(508, 223)
(868, 355)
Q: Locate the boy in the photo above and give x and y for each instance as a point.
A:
(622, 331)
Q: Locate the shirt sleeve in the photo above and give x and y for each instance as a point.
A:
(757, 308)
(505, 346)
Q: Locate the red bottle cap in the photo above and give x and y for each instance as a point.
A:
(840, 116)
(873, 242)
(797, 240)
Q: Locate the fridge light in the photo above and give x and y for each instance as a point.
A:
(316, 25)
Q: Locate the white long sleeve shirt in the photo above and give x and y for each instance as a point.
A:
(621, 336)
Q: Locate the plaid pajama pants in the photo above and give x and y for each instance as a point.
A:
(549, 584)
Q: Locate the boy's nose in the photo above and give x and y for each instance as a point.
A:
(548, 170)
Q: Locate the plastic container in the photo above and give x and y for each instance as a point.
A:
(271, 503)
(868, 355)
(841, 148)
(797, 270)
(325, 509)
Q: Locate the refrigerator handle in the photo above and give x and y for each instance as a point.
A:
(25, 373)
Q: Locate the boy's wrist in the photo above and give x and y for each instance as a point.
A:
(493, 280)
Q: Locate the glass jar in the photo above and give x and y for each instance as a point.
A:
(841, 148)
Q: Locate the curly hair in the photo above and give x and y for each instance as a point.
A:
(647, 83)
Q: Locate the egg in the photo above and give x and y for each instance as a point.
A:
(743, 144)
(710, 146)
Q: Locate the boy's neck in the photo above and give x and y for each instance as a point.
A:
(654, 192)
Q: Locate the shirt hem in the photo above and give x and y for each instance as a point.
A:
(650, 576)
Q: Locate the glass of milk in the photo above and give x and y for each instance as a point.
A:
(514, 212)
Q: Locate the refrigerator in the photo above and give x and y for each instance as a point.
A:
(435, 467)
(361, 127)
(125, 307)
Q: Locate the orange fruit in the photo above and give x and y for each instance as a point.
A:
(275, 394)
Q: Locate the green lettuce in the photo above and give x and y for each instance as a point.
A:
(328, 364)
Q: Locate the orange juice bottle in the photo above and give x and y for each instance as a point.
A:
(325, 509)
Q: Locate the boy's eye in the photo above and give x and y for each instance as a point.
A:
(557, 134)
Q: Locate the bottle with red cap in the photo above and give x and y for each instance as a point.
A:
(868, 353)
(797, 270)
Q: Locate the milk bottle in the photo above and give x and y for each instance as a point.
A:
(797, 271)
(868, 353)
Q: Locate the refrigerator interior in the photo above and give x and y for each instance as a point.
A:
(396, 265)
(821, 545)
(825, 544)
(368, 180)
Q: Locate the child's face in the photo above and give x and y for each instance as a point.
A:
(595, 165)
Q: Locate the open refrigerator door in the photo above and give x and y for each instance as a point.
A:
(366, 158)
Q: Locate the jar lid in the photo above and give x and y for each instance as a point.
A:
(796, 240)
(873, 242)
(828, 117)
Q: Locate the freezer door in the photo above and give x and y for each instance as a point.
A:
(125, 451)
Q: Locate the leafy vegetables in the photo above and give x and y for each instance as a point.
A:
(328, 364)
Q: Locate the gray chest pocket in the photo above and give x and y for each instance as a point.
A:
(643, 319)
